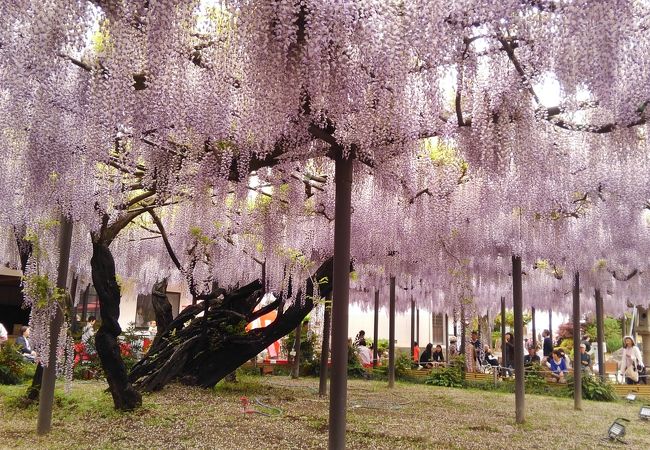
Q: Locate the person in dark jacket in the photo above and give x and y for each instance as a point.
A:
(532, 357)
(427, 356)
(437, 356)
(24, 345)
(509, 353)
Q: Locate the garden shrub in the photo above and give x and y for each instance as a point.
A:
(593, 388)
(355, 368)
(448, 376)
(13, 368)
(402, 366)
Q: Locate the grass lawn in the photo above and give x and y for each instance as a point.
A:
(409, 416)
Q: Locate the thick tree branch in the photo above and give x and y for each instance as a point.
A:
(165, 238)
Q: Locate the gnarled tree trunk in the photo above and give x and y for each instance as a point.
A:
(210, 347)
(125, 397)
(161, 308)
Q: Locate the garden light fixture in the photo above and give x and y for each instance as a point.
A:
(617, 430)
(630, 397)
(644, 414)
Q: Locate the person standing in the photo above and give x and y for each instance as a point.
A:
(3, 334)
(586, 341)
(416, 352)
(509, 353)
(585, 359)
(631, 362)
(547, 344)
(453, 348)
(478, 348)
(361, 336)
(89, 330)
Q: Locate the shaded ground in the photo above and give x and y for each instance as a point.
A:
(410, 416)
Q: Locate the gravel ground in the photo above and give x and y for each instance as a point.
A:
(409, 416)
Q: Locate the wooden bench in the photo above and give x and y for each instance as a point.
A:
(418, 373)
(265, 368)
(478, 376)
(641, 390)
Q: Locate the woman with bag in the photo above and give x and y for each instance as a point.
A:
(631, 364)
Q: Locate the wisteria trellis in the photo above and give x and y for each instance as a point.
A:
(462, 160)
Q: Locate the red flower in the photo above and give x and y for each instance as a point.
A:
(125, 349)
(80, 353)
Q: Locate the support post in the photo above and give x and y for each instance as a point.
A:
(504, 363)
(550, 324)
(600, 333)
(46, 400)
(391, 335)
(577, 365)
(375, 339)
(417, 325)
(455, 326)
(534, 329)
(340, 303)
(325, 347)
(446, 336)
(517, 294)
(295, 369)
(412, 327)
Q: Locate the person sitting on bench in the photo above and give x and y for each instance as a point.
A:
(558, 367)
(24, 345)
(437, 356)
(426, 357)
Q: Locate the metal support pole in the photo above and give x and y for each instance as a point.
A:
(412, 326)
(577, 364)
(504, 363)
(417, 325)
(600, 334)
(550, 324)
(46, 400)
(446, 336)
(517, 294)
(295, 369)
(391, 335)
(534, 329)
(375, 343)
(340, 303)
(325, 347)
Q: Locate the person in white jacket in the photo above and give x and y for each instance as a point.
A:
(632, 360)
(3, 334)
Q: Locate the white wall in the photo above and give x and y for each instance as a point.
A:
(359, 319)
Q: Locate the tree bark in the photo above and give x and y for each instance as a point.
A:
(504, 360)
(48, 380)
(125, 397)
(375, 334)
(391, 334)
(208, 348)
(517, 305)
(600, 337)
(577, 363)
(412, 328)
(325, 348)
(25, 249)
(161, 308)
